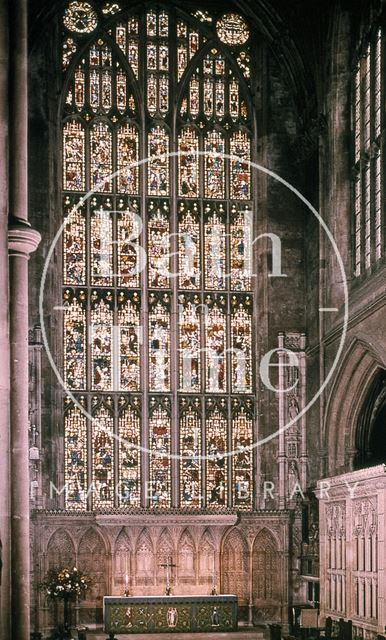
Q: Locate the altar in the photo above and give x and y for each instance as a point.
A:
(152, 614)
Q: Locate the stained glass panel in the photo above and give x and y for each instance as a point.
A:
(188, 163)
(74, 338)
(158, 166)
(74, 246)
(127, 159)
(182, 60)
(208, 97)
(69, 48)
(234, 99)
(232, 29)
(216, 345)
(94, 90)
(194, 97)
(214, 165)
(158, 245)
(100, 157)
(159, 343)
(159, 425)
(163, 94)
(102, 428)
(120, 37)
(101, 341)
(129, 430)
(242, 458)
(129, 341)
(215, 248)
(121, 91)
(133, 58)
(189, 246)
(241, 344)
(244, 62)
(220, 99)
(216, 446)
(241, 239)
(189, 342)
(101, 230)
(129, 250)
(106, 91)
(190, 452)
(240, 180)
(75, 460)
(73, 156)
(80, 17)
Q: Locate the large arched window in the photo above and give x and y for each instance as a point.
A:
(161, 357)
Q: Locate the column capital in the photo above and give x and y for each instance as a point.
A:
(22, 240)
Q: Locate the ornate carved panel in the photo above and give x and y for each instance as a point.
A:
(266, 575)
(92, 560)
(235, 566)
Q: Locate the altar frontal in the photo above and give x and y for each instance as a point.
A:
(154, 614)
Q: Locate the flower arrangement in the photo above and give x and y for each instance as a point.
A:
(66, 584)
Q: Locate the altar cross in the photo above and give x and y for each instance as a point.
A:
(168, 565)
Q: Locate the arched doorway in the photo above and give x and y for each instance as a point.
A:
(371, 427)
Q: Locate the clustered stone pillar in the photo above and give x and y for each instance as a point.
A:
(4, 336)
(22, 242)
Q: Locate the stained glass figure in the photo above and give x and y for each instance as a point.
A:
(163, 24)
(152, 57)
(215, 248)
(214, 165)
(241, 239)
(74, 338)
(132, 55)
(129, 341)
(240, 178)
(101, 341)
(101, 157)
(102, 428)
(158, 166)
(234, 99)
(120, 37)
(130, 256)
(127, 159)
(80, 17)
(208, 97)
(194, 43)
(190, 452)
(188, 163)
(159, 245)
(75, 458)
(216, 447)
(159, 428)
(189, 271)
(159, 343)
(232, 29)
(101, 231)
(189, 342)
(244, 62)
(152, 94)
(163, 94)
(219, 101)
(74, 246)
(151, 21)
(241, 344)
(121, 96)
(242, 459)
(73, 156)
(129, 432)
(69, 48)
(182, 59)
(106, 91)
(216, 345)
(194, 97)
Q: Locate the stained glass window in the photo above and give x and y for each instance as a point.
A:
(75, 464)
(102, 455)
(368, 130)
(190, 452)
(216, 447)
(242, 459)
(129, 452)
(158, 283)
(159, 423)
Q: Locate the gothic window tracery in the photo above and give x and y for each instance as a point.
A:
(157, 260)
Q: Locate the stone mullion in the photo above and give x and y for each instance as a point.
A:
(174, 325)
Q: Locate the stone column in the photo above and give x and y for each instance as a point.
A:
(22, 242)
(4, 335)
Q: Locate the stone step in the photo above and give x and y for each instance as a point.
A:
(257, 634)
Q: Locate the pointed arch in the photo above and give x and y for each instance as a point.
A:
(357, 372)
(234, 565)
(187, 558)
(92, 560)
(165, 551)
(206, 558)
(144, 559)
(61, 550)
(122, 557)
(266, 575)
